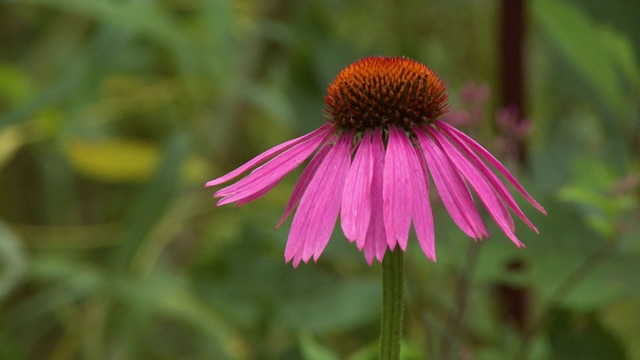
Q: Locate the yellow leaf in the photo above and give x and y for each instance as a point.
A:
(114, 160)
(11, 139)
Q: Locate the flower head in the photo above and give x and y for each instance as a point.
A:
(370, 164)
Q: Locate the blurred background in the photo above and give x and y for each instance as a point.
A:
(114, 113)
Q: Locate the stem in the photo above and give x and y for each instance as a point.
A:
(392, 304)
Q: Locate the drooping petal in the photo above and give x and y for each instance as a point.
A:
(270, 173)
(492, 160)
(256, 195)
(318, 210)
(421, 214)
(452, 189)
(485, 192)
(303, 182)
(374, 244)
(496, 183)
(396, 188)
(356, 198)
(320, 132)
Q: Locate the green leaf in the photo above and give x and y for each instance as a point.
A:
(581, 336)
(141, 17)
(15, 86)
(341, 306)
(593, 190)
(152, 202)
(622, 54)
(70, 79)
(621, 318)
(13, 260)
(585, 47)
(312, 350)
(167, 296)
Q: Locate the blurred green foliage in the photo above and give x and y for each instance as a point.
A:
(113, 114)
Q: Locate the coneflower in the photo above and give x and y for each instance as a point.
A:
(370, 164)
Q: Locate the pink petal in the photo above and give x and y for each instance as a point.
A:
(492, 160)
(396, 188)
(301, 186)
(321, 132)
(452, 189)
(496, 183)
(318, 211)
(485, 192)
(356, 198)
(256, 195)
(421, 214)
(270, 173)
(374, 243)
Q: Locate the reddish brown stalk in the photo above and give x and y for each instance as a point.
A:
(514, 300)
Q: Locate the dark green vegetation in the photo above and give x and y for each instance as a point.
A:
(114, 113)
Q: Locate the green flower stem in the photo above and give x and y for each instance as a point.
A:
(392, 304)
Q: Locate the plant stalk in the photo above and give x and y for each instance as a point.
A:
(392, 304)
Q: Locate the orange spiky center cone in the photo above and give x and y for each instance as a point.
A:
(380, 91)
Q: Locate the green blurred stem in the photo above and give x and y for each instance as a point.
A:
(392, 304)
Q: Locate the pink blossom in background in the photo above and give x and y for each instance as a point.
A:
(474, 98)
(457, 118)
(511, 124)
(476, 94)
(371, 163)
(512, 130)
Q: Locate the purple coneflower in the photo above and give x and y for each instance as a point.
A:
(370, 164)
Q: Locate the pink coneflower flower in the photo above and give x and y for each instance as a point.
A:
(370, 164)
